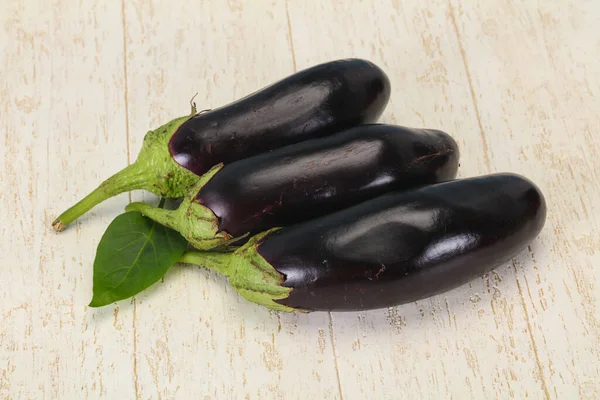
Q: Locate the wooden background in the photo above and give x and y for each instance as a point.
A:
(517, 83)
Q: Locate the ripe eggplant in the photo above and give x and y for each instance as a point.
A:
(310, 104)
(397, 248)
(307, 180)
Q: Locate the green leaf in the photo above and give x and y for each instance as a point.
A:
(133, 254)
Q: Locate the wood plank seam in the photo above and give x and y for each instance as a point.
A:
(331, 329)
(290, 35)
(488, 166)
(530, 332)
(486, 156)
(335, 356)
(136, 379)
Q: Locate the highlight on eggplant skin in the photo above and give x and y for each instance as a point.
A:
(316, 177)
(311, 103)
(403, 247)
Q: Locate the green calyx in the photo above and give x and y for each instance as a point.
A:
(255, 279)
(166, 178)
(248, 272)
(195, 222)
(154, 170)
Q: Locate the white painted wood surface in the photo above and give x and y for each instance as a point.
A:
(516, 83)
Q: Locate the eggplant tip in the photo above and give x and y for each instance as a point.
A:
(58, 225)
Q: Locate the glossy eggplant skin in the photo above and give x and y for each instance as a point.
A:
(312, 103)
(405, 246)
(316, 177)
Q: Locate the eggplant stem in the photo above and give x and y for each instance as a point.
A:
(193, 105)
(154, 170)
(129, 178)
(161, 215)
(194, 221)
(218, 262)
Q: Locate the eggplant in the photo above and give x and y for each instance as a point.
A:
(394, 249)
(312, 103)
(307, 180)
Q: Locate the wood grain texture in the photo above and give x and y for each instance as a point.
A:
(62, 131)
(516, 83)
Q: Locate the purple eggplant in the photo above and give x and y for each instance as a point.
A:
(312, 103)
(307, 180)
(391, 250)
